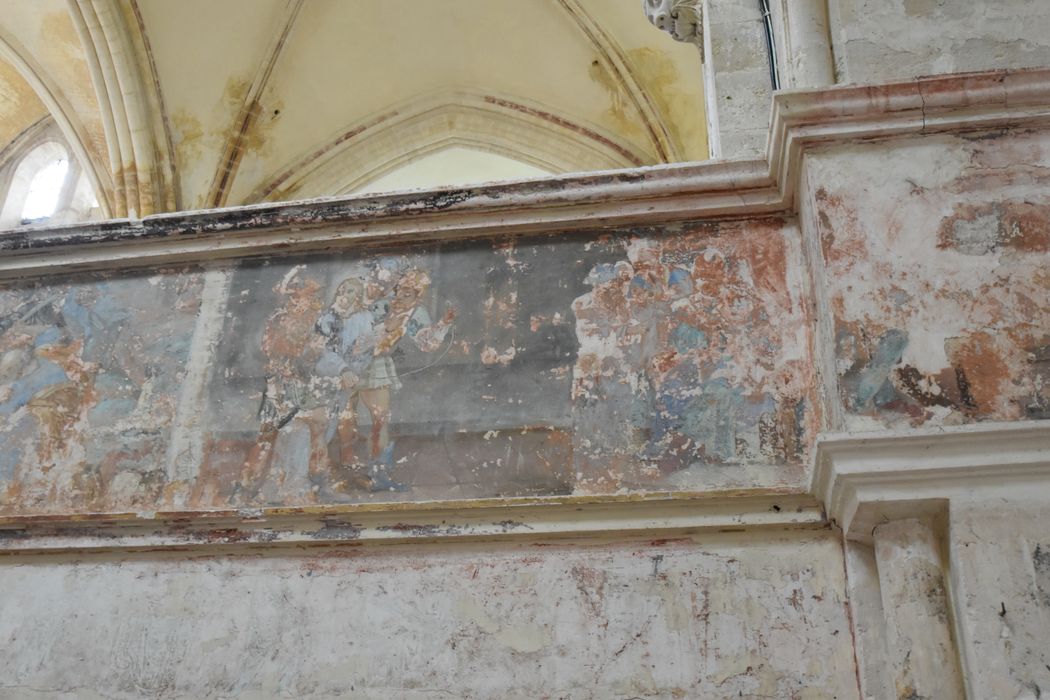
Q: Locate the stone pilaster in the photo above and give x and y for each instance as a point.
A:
(730, 35)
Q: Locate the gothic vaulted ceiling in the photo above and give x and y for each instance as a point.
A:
(201, 103)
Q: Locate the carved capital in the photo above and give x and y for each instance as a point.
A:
(682, 19)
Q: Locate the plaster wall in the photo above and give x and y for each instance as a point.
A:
(729, 615)
(934, 254)
(452, 166)
(1000, 552)
(705, 353)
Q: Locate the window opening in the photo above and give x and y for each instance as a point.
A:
(45, 190)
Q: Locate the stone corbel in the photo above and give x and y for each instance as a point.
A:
(682, 19)
(925, 561)
(865, 480)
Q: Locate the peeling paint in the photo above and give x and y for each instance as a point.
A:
(90, 376)
(641, 360)
(938, 279)
(698, 346)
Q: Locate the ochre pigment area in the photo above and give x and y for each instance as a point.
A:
(90, 374)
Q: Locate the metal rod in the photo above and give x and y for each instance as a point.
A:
(771, 44)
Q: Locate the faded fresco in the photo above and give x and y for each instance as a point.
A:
(586, 364)
(561, 365)
(89, 387)
(694, 351)
(938, 276)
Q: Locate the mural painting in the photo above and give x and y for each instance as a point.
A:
(693, 364)
(938, 283)
(610, 362)
(89, 378)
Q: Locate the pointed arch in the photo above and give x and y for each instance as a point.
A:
(72, 128)
(611, 57)
(503, 125)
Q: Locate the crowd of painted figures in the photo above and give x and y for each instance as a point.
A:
(324, 363)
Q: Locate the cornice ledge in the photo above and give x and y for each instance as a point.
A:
(644, 516)
(640, 196)
(884, 471)
(651, 195)
(805, 118)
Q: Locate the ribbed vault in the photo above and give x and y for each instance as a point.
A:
(196, 104)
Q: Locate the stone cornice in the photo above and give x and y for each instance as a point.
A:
(801, 120)
(641, 196)
(656, 515)
(865, 478)
(807, 119)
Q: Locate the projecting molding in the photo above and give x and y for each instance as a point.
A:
(560, 517)
(129, 104)
(801, 120)
(867, 478)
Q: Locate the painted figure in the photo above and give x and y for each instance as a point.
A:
(80, 401)
(322, 363)
(292, 397)
(348, 329)
(360, 344)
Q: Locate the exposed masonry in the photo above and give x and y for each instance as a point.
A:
(875, 41)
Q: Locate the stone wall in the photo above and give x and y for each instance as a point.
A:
(747, 429)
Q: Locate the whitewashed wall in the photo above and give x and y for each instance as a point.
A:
(717, 616)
